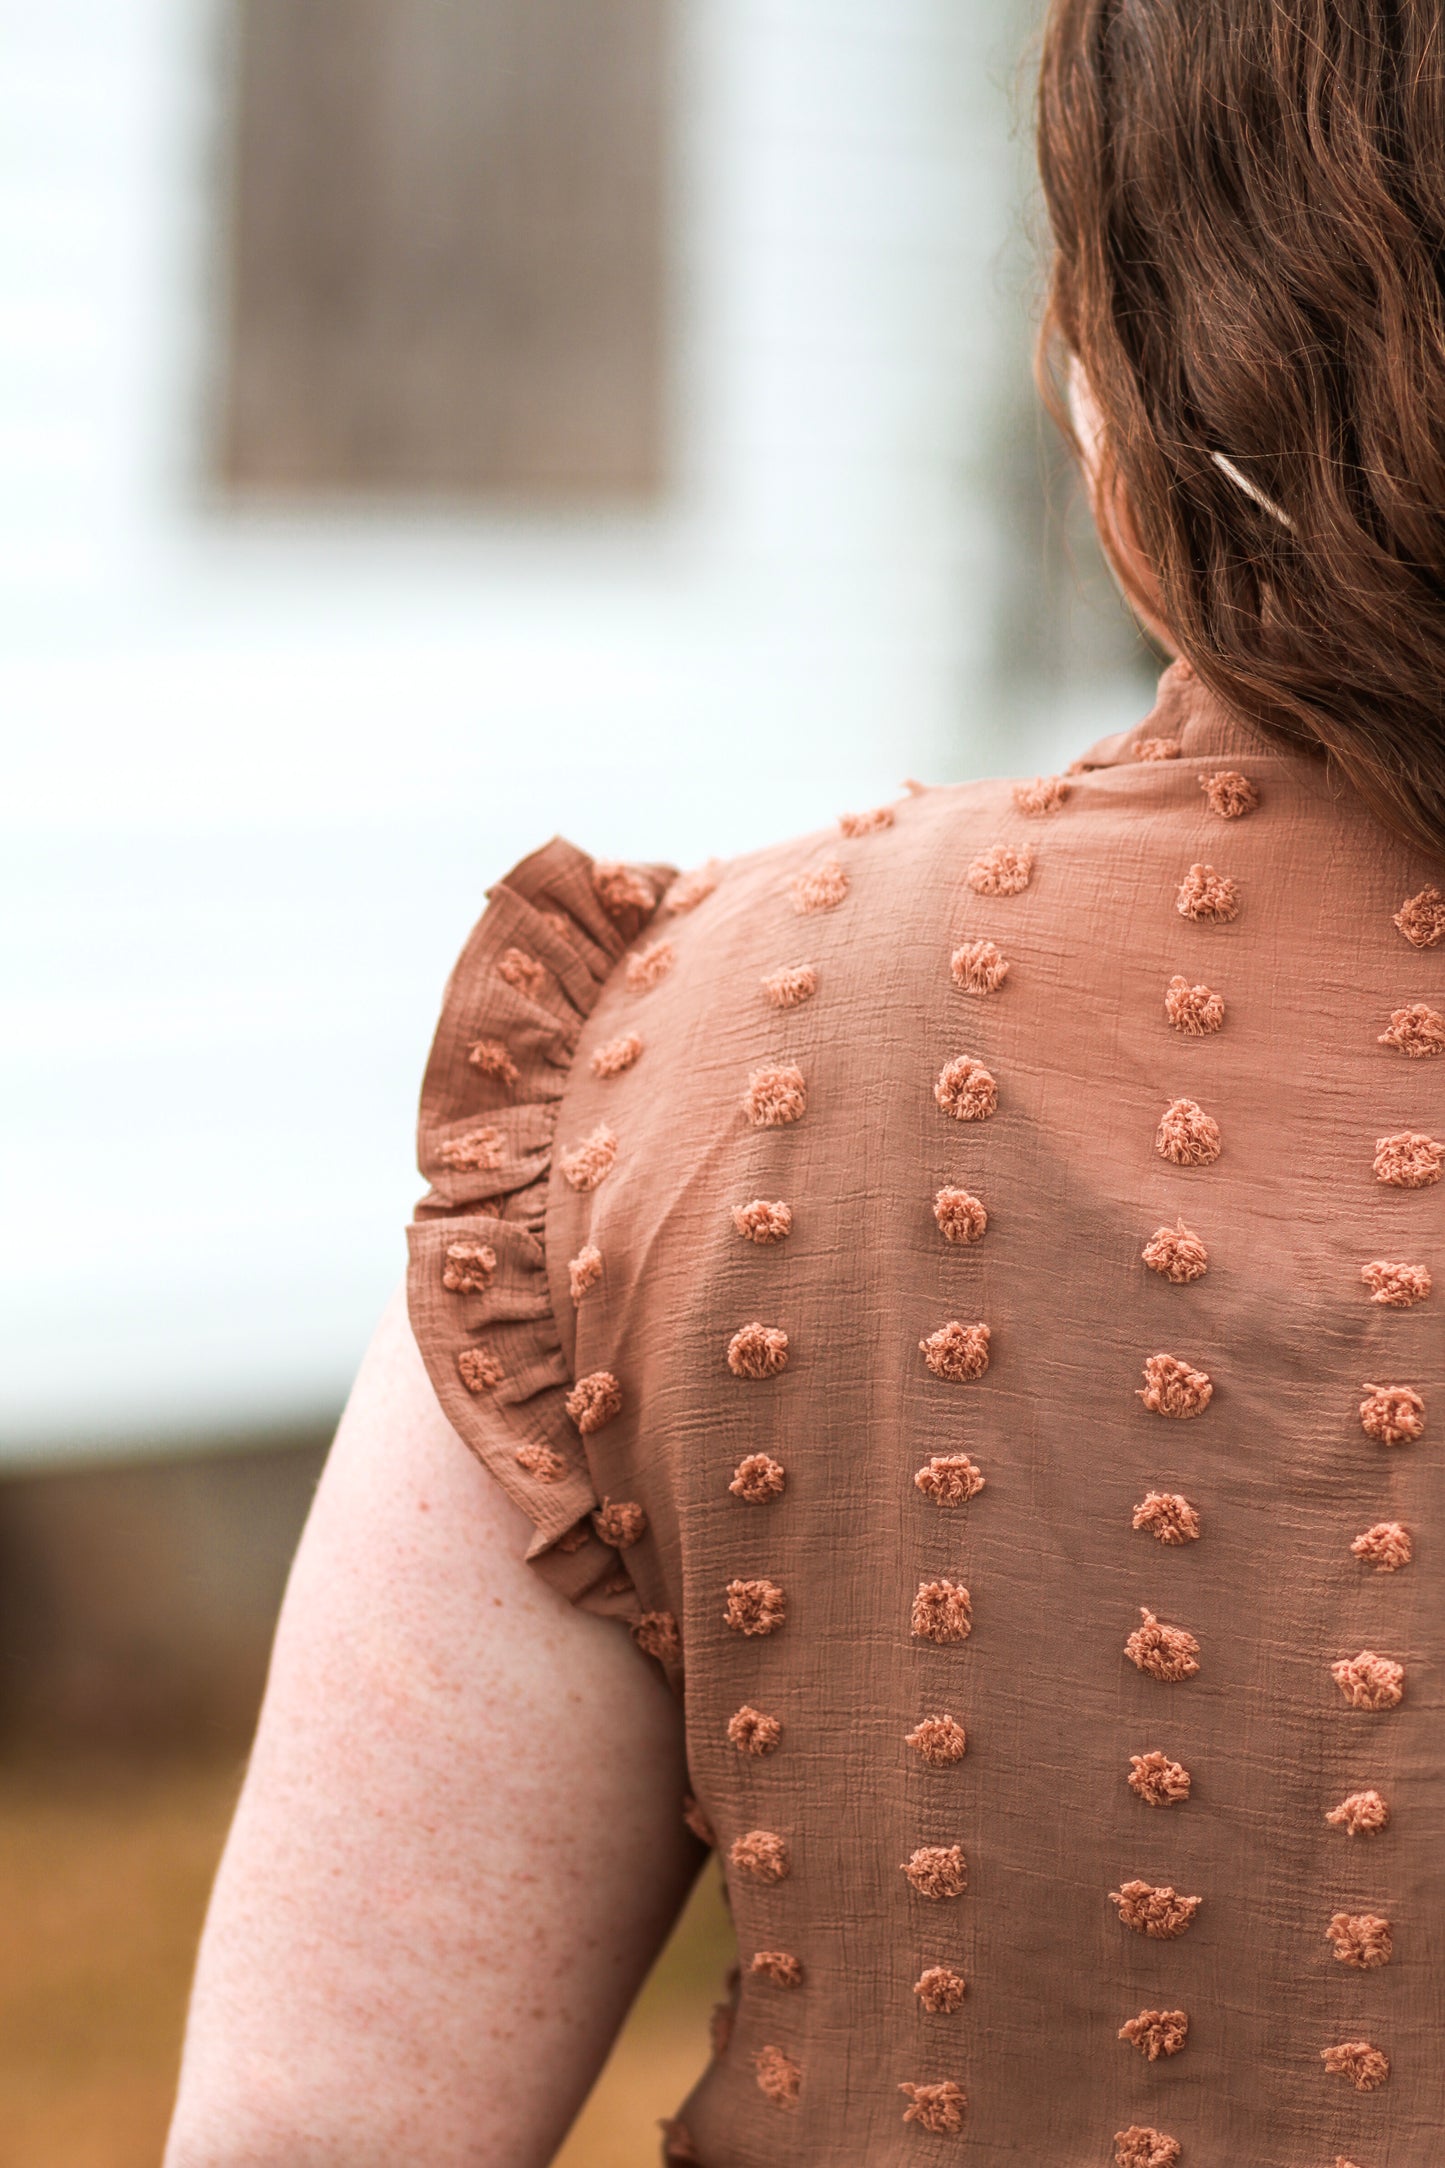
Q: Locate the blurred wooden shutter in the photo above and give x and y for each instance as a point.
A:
(447, 248)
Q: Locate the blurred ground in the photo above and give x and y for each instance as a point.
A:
(104, 1871)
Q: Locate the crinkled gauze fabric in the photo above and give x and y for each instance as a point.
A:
(960, 1288)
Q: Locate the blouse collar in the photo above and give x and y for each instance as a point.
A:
(1193, 724)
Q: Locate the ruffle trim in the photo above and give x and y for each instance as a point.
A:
(477, 1287)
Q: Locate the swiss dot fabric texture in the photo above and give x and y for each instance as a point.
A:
(961, 1290)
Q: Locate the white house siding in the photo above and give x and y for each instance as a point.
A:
(259, 769)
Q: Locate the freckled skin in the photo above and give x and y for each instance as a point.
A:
(458, 1848)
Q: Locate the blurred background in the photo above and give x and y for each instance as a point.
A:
(425, 425)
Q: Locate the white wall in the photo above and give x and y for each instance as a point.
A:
(258, 771)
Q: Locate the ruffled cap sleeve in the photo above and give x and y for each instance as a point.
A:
(478, 1284)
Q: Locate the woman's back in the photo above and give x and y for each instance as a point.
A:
(961, 1289)
(986, 1258)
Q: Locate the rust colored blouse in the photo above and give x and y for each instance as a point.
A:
(960, 1289)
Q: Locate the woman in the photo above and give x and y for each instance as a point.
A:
(960, 1290)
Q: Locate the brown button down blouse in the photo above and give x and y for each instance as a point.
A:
(960, 1288)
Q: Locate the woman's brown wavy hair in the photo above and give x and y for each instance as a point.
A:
(1248, 207)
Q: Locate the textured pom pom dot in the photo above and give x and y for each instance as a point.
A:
(758, 1351)
(961, 1217)
(1187, 1136)
(753, 1732)
(965, 1089)
(691, 889)
(616, 1056)
(1417, 1032)
(1173, 1388)
(1158, 749)
(757, 1478)
(1168, 1517)
(649, 965)
(1000, 871)
(1141, 2146)
(1361, 1939)
(478, 1151)
(940, 1990)
(942, 1612)
(1156, 2033)
(1230, 794)
(492, 1059)
(791, 987)
(779, 2077)
(1158, 1912)
(573, 1540)
(521, 971)
(760, 1221)
(678, 2150)
(775, 1097)
(1365, 2067)
(479, 1370)
(1046, 794)
(584, 1271)
(1393, 1414)
(818, 888)
(1409, 1160)
(939, 2109)
(620, 1522)
(979, 967)
(778, 1967)
(937, 1871)
(761, 1854)
(1157, 1780)
(940, 1740)
(622, 889)
(1368, 1681)
(594, 1400)
(755, 1607)
(1386, 1546)
(1194, 1010)
(957, 1352)
(1176, 1253)
(656, 1635)
(540, 1461)
(1398, 1286)
(469, 1267)
(1421, 918)
(583, 1166)
(1208, 896)
(949, 1479)
(1162, 1652)
(867, 824)
(1363, 1814)
(696, 1819)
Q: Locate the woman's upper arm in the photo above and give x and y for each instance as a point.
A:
(459, 1843)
